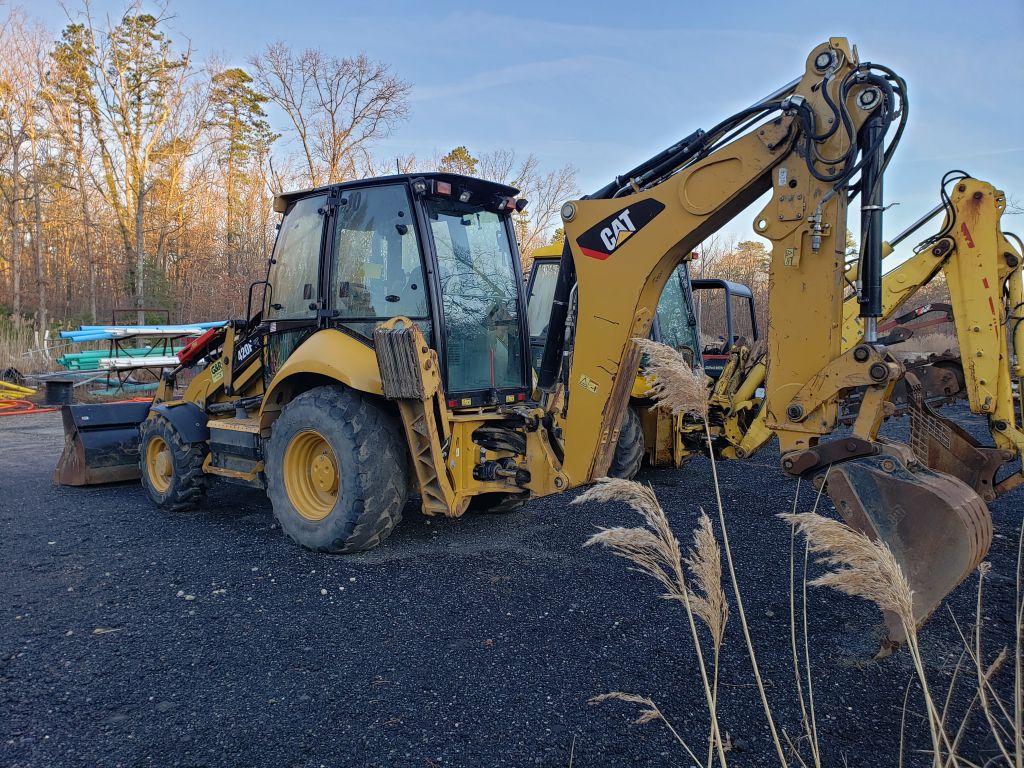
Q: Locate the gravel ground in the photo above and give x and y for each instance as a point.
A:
(132, 637)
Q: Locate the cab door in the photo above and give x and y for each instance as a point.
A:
(292, 301)
(376, 263)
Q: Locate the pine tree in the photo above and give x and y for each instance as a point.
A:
(459, 160)
(237, 115)
(72, 107)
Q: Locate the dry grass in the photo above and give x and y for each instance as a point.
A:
(854, 564)
(676, 385)
(654, 550)
(868, 569)
(864, 568)
(683, 389)
(704, 561)
(924, 345)
(19, 349)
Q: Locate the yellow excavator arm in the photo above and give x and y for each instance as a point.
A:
(804, 145)
(982, 268)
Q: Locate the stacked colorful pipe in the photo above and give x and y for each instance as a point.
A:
(90, 360)
(112, 332)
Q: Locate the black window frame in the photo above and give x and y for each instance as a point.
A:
(341, 323)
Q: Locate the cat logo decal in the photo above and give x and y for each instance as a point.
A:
(601, 240)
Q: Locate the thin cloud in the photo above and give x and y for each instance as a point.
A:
(544, 71)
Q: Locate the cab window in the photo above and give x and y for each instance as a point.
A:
(543, 278)
(480, 297)
(297, 260)
(377, 272)
(676, 320)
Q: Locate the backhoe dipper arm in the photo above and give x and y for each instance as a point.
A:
(982, 268)
(984, 278)
(623, 249)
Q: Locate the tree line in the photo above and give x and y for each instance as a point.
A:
(134, 175)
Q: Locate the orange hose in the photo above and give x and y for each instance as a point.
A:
(20, 407)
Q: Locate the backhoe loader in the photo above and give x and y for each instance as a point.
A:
(735, 398)
(390, 353)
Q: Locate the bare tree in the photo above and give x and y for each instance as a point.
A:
(337, 106)
(22, 46)
(545, 191)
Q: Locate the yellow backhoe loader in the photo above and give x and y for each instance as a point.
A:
(390, 354)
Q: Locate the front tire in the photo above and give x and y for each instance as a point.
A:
(171, 468)
(337, 470)
(629, 450)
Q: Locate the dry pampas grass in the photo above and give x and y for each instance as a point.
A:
(682, 389)
(676, 385)
(864, 568)
(868, 569)
(704, 560)
(654, 550)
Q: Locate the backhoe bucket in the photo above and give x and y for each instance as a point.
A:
(101, 443)
(937, 527)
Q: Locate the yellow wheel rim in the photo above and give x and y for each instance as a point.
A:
(311, 476)
(159, 464)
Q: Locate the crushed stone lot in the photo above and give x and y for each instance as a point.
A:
(134, 637)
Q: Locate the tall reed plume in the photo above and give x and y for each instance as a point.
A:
(683, 389)
(653, 549)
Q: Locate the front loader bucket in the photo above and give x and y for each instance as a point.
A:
(937, 527)
(101, 443)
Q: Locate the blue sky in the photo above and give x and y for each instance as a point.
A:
(604, 85)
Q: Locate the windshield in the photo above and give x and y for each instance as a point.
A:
(479, 296)
(676, 322)
(542, 293)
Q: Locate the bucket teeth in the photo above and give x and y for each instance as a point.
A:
(936, 526)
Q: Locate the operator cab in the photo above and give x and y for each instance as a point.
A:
(674, 322)
(436, 248)
(722, 324)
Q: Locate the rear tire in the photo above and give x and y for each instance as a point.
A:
(171, 468)
(337, 470)
(629, 450)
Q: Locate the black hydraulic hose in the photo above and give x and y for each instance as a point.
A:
(551, 360)
(947, 203)
(618, 182)
(702, 146)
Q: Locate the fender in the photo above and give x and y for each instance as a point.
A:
(188, 418)
(330, 354)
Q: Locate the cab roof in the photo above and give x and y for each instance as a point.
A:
(548, 252)
(480, 188)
